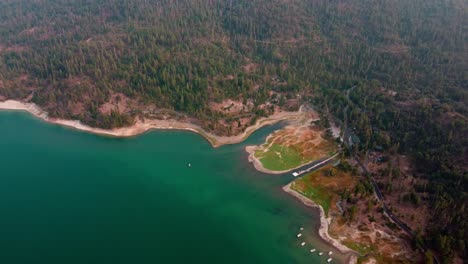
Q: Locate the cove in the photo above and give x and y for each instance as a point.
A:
(72, 197)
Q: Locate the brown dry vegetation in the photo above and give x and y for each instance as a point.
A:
(229, 106)
(308, 140)
(397, 178)
(367, 230)
(334, 184)
(117, 102)
(250, 67)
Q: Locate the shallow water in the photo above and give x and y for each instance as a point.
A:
(72, 197)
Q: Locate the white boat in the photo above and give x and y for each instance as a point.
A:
(301, 228)
(190, 165)
(312, 250)
(320, 253)
(299, 235)
(329, 253)
(303, 243)
(329, 260)
(295, 174)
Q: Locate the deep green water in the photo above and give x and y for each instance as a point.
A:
(72, 197)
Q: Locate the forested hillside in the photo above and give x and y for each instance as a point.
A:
(224, 63)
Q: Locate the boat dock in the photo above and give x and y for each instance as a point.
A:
(297, 173)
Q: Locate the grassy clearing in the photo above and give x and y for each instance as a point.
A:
(294, 146)
(316, 193)
(280, 158)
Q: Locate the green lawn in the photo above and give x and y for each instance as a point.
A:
(315, 193)
(279, 158)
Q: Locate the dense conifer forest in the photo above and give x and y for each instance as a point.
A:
(403, 63)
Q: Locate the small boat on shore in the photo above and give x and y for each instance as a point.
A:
(301, 228)
(312, 250)
(303, 243)
(299, 235)
(320, 253)
(329, 260)
(330, 253)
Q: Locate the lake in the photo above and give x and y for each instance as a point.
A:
(72, 197)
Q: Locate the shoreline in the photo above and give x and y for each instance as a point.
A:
(324, 223)
(149, 124)
(216, 141)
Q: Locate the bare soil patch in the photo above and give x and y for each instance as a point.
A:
(229, 106)
(117, 102)
(15, 48)
(367, 231)
(250, 67)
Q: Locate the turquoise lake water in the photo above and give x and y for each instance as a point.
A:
(73, 197)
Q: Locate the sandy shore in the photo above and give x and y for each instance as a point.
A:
(324, 223)
(148, 124)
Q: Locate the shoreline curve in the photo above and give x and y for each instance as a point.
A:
(149, 124)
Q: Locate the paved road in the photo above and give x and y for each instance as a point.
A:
(390, 215)
(379, 194)
(312, 166)
(315, 165)
(377, 191)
